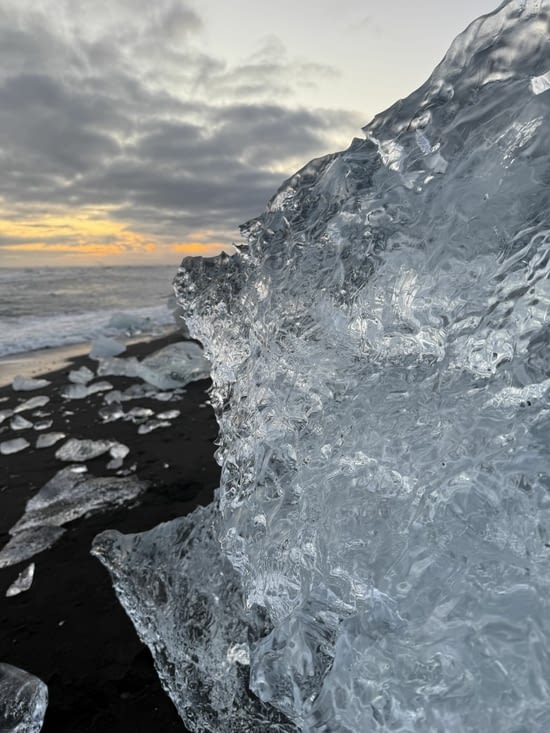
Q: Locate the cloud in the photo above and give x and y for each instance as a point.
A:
(113, 105)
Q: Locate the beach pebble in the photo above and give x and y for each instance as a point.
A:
(26, 384)
(32, 403)
(48, 439)
(7, 447)
(22, 583)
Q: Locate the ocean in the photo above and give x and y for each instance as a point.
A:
(57, 306)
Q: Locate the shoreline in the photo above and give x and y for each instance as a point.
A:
(69, 628)
(40, 362)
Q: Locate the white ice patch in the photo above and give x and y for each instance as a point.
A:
(7, 447)
(22, 583)
(28, 384)
(24, 700)
(48, 439)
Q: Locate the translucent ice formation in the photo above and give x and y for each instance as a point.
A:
(379, 353)
(28, 384)
(27, 543)
(23, 701)
(83, 450)
(22, 583)
(7, 447)
(81, 376)
(32, 403)
(104, 347)
(46, 440)
(175, 366)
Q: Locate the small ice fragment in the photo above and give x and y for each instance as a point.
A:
(26, 384)
(20, 423)
(118, 450)
(110, 413)
(114, 396)
(24, 699)
(175, 365)
(7, 447)
(78, 468)
(169, 415)
(114, 464)
(81, 376)
(118, 367)
(32, 403)
(130, 324)
(22, 583)
(540, 84)
(239, 654)
(43, 424)
(164, 396)
(48, 439)
(104, 347)
(153, 425)
(27, 543)
(138, 413)
(127, 471)
(4, 414)
(102, 386)
(82, 450)
(75, 392)
(135, 391)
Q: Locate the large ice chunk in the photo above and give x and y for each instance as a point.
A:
(175, 366)
(379, 353)
(26, 543)
(83, 450)
(23, 701)
(193, 621)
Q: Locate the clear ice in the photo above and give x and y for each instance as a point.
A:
(22, 583)
(15, 445)
(83, 450)
(23, 701)
(28, 384)
(381, 380)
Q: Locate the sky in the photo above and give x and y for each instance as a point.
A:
(136, 132)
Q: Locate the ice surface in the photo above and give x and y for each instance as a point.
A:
(150, 425)
(32, 403)
(48, 439)
(25, 544)
(175, 365)
(7, 447)
(22, 583)
(379, 353)
(80, 391)
(23, 701)
(168, 415)
(104, 347)
(43, 424)
(27, 384)
(82, 450)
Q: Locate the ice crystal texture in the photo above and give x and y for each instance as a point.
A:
(23, 701)
(379, 352)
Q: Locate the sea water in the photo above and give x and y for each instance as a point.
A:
(42, 307)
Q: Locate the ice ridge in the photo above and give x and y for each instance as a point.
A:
(379, 351)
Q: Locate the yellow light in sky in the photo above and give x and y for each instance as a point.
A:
(86, 235)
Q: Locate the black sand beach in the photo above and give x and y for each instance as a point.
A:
(69, 628)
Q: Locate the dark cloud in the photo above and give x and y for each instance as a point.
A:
(101, 105)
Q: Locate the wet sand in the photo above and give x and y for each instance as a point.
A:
(69, 629)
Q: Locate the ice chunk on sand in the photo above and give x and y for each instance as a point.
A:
(168, 415)
(4, 414)
(104, 347)
(175, 365)
(118, 367)
(81, 376)
(75, 392)
(22, 583)
(129, 323)
(82, 450)
(135, 414)
(25, 544)
(151, 425)
(102, 386)
(68, 496)
(32, 403)
(43, 424)
(48, 439)
(27, 384)
(23, 701)
(20, 423)
(111, 412)
(181, 593)
(7, 447)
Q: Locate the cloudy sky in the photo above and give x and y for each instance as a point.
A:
(134, 131)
